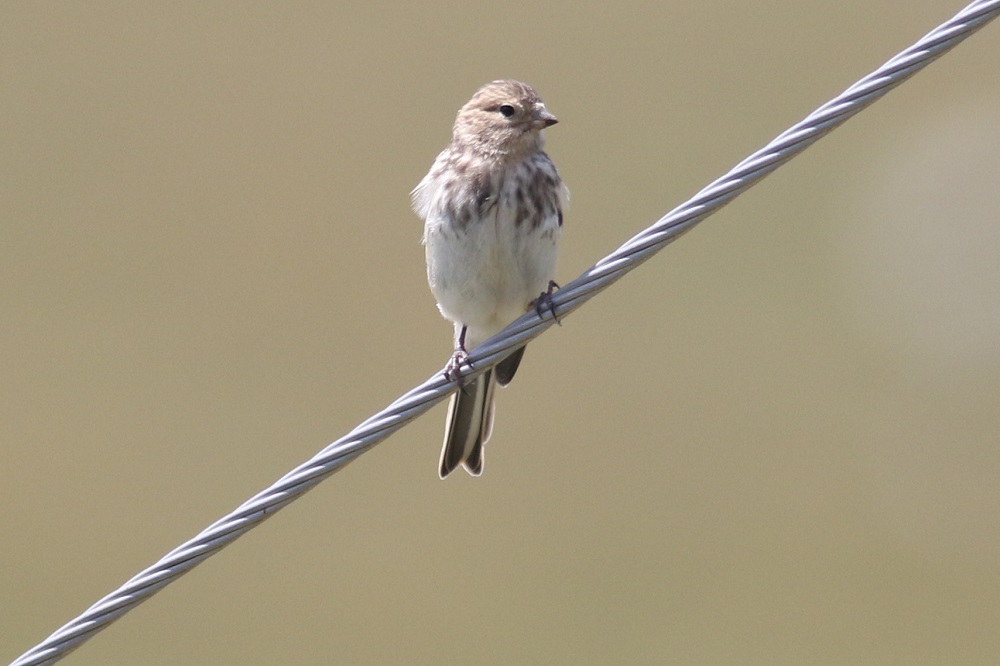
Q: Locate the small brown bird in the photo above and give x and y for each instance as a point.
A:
(492, 204)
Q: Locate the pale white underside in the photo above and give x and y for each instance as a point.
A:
(486, 274)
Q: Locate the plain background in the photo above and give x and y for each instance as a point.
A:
(776, 443)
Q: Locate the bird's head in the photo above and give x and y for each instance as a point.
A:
(504, 118)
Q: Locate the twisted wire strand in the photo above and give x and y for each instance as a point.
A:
(574, 294)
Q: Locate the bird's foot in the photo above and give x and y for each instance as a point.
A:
(453, 370)
(544, 302)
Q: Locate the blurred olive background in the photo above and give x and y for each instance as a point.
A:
(776, 443)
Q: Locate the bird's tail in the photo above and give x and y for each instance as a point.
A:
(469, 425)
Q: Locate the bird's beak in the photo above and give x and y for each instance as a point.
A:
(543, 119)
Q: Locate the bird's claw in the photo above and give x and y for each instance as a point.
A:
(453, 371)
(544, 302)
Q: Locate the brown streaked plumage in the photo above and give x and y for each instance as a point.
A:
(492, 204)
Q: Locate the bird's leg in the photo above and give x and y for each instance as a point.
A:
(544, 302)
(453, 371)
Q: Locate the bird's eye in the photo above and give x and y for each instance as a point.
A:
(506, 110)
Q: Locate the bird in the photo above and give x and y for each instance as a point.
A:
(492, 205)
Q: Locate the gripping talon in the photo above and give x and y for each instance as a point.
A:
(544, 302)
(453, 371)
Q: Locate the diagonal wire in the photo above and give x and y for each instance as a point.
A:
(607, 271)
